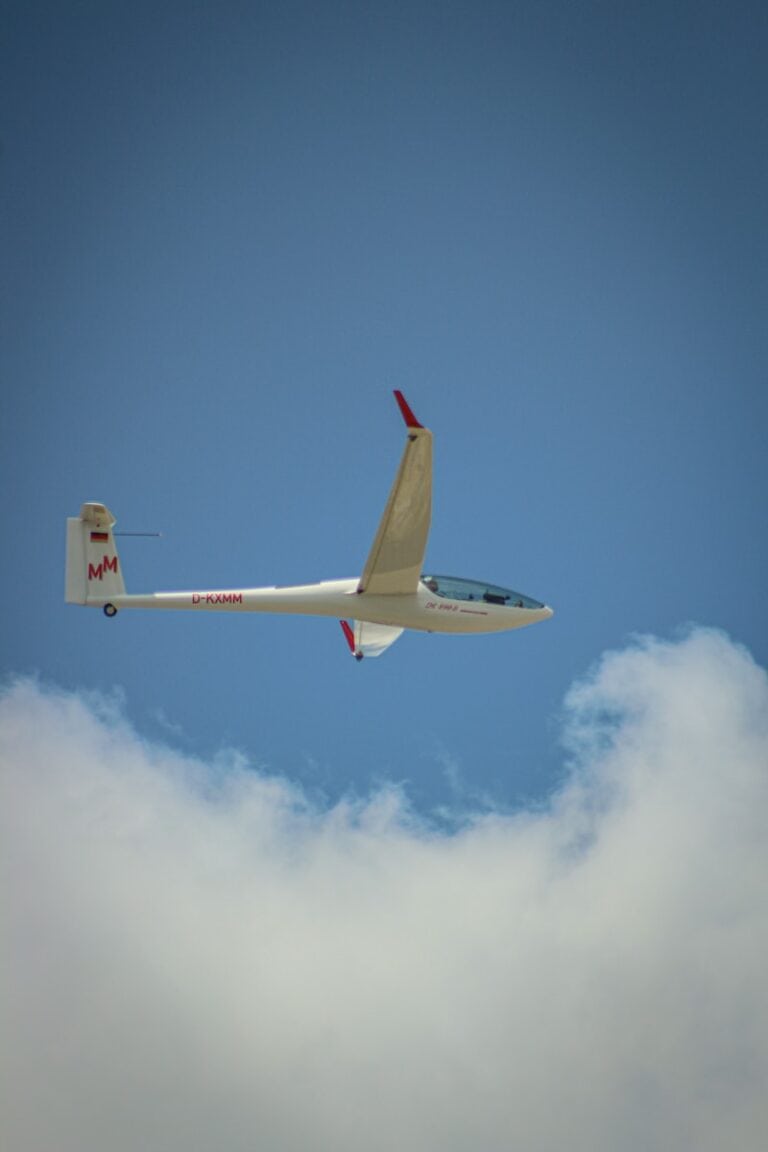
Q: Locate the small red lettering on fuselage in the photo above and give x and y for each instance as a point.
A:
(217, 598)
(108, 564)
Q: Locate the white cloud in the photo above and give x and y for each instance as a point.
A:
(197, 957)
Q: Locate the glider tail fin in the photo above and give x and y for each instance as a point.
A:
(93, 566)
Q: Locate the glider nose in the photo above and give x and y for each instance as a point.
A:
(547, 613)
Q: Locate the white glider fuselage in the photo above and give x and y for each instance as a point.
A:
(423, 610)
(392, 594)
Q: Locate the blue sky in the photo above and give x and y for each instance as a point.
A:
(229, 231)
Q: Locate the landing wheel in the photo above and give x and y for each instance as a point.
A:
(110, 610)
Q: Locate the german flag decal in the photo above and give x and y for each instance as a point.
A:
(99, 537)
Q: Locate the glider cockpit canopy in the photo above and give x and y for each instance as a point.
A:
(455, 588)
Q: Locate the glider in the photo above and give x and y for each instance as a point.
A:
(392, 594)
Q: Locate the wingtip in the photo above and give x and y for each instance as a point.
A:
(405, 409)
(349, 635)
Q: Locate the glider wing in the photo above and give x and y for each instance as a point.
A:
(396, 559)
(369, 639)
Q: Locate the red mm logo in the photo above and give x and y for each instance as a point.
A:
(108, 564)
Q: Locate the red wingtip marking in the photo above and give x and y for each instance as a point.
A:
(404, 407)
(349, 635)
